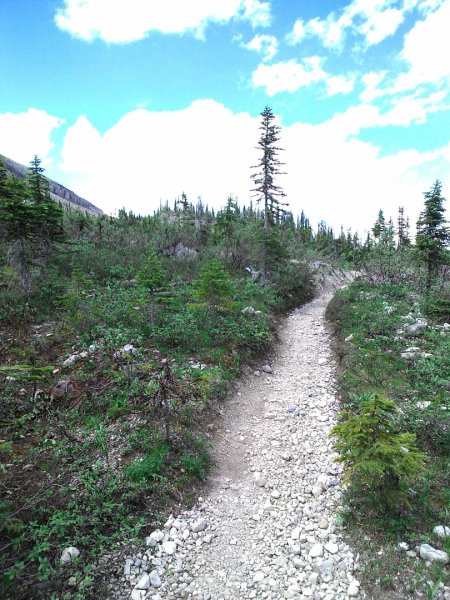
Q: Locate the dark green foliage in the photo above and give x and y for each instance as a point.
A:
(268, 167)
(151, 275)
(388, 494)
(377, 459)
(148, 467)
(30, 221)
(432, 233)
(214, 284)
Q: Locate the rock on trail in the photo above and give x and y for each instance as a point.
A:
(266, 528)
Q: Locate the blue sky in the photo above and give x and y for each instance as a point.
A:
(131, 102)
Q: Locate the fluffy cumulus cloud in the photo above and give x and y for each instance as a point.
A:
(288, 76)
(265, 45)
(206, 150)
(373, 20)
(421, 67)
(22, 135)
(340, 84)
(121, 21)
(148, 157)
(426, 49)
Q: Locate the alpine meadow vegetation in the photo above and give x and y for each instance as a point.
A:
(393, 437)
(120, 337)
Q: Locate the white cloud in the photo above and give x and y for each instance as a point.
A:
(340, 84)
(288, 76)
(426, 50)
(371, 82)
(207, 150)
(382, 25)
(374, 20)
(422, 56)
(121, 21)
(25, 134)
(341, 179)
(151, 156)
(266, 45)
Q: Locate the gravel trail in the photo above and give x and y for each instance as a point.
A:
(266, 527)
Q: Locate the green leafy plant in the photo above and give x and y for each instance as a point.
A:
(150, 466)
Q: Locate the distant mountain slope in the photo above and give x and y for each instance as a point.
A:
(57, 191)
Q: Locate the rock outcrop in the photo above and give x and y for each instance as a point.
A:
(58, 192)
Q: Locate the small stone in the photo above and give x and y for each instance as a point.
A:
(138, 594)
(353, 589)
(127, 567)
(259, 479)
(169, 548)
(266, 369)
(349, 338)
(199, 525)
(154, 538)
(316, 490)
(69, 554)
(325, 570)
(316, 551)
(144, 582)
(323, 524)
(275, 494)
(72, 582)
(322, 361)
(332, 548)
(155, 579)
(427, 552)
(442, 531)
(258, 576)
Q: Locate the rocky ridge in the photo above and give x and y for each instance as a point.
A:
(58, 192)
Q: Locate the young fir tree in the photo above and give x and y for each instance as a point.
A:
(48, 213)
(379, 226)
(268, 167)
(432, 233)
(378, 461)
(402, 230)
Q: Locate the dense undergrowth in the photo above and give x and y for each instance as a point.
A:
(112, 370)
(394, 350)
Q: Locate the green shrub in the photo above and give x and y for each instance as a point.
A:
(375, 457)
(151, 275)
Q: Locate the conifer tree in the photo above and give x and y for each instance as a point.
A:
(48, 214)
(432, 233)
(268, 167)
(402, 229)
(379, 226)
(30, 219)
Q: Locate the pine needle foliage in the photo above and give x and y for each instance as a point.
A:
(378, 460)
(152, 275)
(214, 284)
(433, 235)
(268, 167)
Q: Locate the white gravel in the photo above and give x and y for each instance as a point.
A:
(267, 527)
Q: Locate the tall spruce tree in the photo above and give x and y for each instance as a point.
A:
(30, 220)
(433, 235)
(268, 167)
(48, 214)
